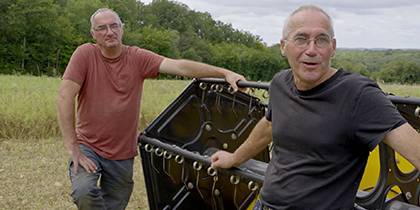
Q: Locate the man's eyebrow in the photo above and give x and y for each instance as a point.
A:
(324, 34)
(107, 25)
(300, 33)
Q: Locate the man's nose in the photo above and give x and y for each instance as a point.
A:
(311, 48)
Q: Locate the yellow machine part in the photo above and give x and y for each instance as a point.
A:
(372, 170)
(371, 174)
(251, 206)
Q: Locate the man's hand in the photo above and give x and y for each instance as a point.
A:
(79, 158)
(232, 78)
(222, 159)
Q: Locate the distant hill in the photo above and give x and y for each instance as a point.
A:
(374, 49)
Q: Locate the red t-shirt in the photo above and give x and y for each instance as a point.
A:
(109, 99)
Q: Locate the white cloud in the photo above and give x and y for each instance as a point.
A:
(357, 23)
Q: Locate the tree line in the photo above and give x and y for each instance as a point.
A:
(388, 66)
(39, 37)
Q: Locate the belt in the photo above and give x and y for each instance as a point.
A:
(264, 207)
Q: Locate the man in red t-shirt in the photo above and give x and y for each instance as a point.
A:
(107, 78)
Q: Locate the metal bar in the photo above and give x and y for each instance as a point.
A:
(198, 157)
(397, 205)
(260, 85)
(404, 100)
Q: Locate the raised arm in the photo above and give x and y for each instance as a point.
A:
(194, 69)
(406, 141)
(259, 139)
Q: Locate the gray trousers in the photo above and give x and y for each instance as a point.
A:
(258, 205)
(109, 188)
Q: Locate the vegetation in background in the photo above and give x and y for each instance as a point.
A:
(386, 66)
(39, 37)
(28, 107)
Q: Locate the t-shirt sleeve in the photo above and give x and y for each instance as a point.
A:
(148, 62)
(268, 113)
(77, 67)
(374, 117)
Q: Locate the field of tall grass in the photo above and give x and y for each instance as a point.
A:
(33, 164)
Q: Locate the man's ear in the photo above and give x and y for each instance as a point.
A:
(334, 46)
(92, 33)
(282, 46)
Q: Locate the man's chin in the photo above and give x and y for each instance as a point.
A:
(111, 42)
(112, 45)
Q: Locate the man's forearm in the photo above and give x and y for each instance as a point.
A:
(257, 141)
(192, 69)
(66, 115)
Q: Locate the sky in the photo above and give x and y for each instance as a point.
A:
(393, 24)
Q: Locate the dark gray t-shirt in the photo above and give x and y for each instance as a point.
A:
(322, 138)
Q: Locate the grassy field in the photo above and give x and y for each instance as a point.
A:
(33, 167)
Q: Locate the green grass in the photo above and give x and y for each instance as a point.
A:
(33, 165)
(402, 90)
(27, 107)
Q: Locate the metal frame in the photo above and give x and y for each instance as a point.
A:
(208, 116)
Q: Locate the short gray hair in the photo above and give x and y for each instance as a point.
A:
(104, 10)
(287, 23)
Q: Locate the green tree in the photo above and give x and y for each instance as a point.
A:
(31, 35)
(69, 39)
(254, 64)
(79, 13)
(226, 55)
(401, 71)
(6, 51)
(162, 42)
(192, 47)
(128, 10)
(164, 14)
(411, 73)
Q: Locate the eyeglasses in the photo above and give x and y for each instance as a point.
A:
(104, 29)
(302, 42)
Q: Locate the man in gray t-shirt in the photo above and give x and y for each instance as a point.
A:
(322, 121)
